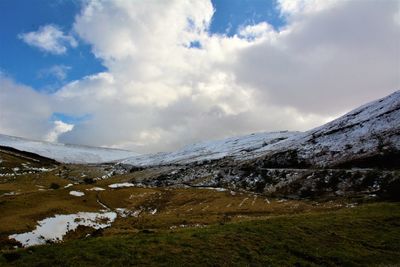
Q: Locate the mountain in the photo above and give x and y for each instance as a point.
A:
(65, 153)
(358, 153)
(212, 150)
(366, 136)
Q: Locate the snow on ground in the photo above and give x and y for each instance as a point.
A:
(122, 212)
(361, 131)
(10, 194)
(121, 185)
(244, 200)
(66, 153)
(76, 193)
(54, 228)
(96, 189)
(357, 132)
(218, 189)
(211, 150)
(152, 212)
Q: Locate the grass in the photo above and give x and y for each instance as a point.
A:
(191, 227)
(368, 235)
(36, 199)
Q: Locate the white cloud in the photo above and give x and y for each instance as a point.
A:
(60, 72)
(258, 31)
(59, 128)
(23, 111)
(49, 38)
(327, 61)
(160, 94)
(306, 7)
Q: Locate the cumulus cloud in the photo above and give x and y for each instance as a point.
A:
(49, 38)
(329, 59)
(60, 72)
(59, 128)
(159, 93)
(23, 111)
(300, 7)
(259, 32)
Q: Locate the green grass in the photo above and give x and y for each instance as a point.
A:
(368, 235)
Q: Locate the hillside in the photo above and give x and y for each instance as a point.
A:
(368, 132)
(65, 153)
(357, 153)
(368, 136)
(231, 193)
(212, 150)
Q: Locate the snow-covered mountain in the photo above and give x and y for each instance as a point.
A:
(358, 153)
(370, 130)
(212, 150)
(367, 132)
(66, 153)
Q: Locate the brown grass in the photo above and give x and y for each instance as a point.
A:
(175, 207)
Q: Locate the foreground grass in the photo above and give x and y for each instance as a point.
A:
(366, 235)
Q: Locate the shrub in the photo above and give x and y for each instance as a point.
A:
(88, 180)
(54, 186)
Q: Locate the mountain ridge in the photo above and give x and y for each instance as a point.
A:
(355, 134)
(65, 153)
(366, 131)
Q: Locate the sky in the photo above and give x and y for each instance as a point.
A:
(157, 75)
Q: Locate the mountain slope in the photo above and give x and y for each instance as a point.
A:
(212, 150)
(370, 131)
(65, 153)
(367, 135)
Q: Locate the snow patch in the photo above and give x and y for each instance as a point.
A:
(218, 189)
(122, 212)
(54, 228)
(153, 212)
(95, 189)
(121, 185)
(68, 185)
(76, 193)
(10, 194)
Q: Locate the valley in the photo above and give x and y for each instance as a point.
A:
(328, 196)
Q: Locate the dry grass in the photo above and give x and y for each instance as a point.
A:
(174, 207)
(150, 208)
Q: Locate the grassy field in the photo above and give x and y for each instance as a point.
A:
(28, 198)
(368, 235)
(187, 227)
(154, 208)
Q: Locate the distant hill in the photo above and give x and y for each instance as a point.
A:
(366, 136)
(65, 153)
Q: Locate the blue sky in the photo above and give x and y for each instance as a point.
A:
(135, 75)
(27, 64)
(31, 66)
(232, 14)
